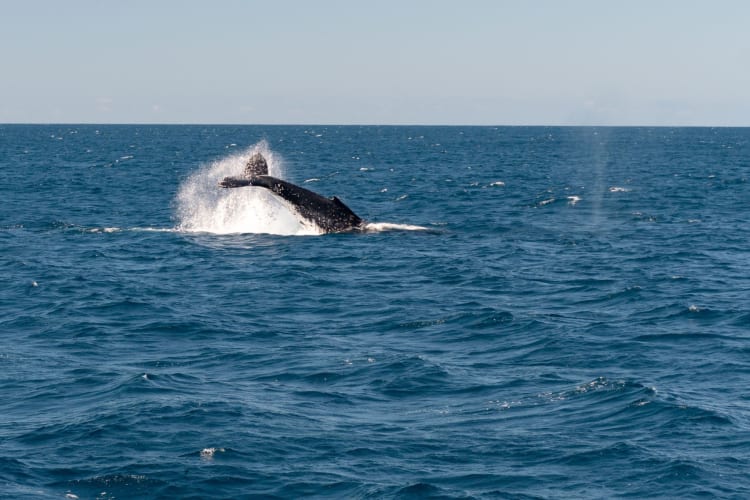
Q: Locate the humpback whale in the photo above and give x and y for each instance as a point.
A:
(329, 214)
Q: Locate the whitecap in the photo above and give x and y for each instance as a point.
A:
(546, 202)
(154, 229)
(208, 453)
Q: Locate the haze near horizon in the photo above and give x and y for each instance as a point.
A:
(480, 62)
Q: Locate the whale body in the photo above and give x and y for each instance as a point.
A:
(329, 214)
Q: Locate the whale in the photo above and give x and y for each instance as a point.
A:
(331, 215)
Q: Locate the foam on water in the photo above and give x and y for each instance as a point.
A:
(98, 230)
(204, 207)
(377, 227)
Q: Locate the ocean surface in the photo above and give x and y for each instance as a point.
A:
(533, 312)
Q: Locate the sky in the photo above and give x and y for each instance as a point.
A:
(473, 62)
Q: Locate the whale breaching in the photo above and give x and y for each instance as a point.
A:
(329, 214)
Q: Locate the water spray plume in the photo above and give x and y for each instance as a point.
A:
(203, 207)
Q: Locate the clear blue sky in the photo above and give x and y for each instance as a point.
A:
(635, 62)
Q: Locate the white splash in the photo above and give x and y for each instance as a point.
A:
(204, 207)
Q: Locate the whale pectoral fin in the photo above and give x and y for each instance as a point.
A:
(234, 182)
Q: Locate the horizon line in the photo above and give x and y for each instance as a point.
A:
(311, 124)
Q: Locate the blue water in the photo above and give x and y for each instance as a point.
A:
(572, 322)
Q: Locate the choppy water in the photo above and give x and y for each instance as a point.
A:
(574, 322)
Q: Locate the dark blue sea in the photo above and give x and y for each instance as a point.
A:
(534, 312)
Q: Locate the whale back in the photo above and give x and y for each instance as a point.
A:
(330, 214)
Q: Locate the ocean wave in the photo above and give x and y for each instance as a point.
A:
(595, 350)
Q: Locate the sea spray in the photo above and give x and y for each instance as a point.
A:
(202, 206)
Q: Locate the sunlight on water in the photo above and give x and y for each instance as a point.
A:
(202, 206)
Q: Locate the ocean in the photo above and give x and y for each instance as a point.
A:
(534, 312)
